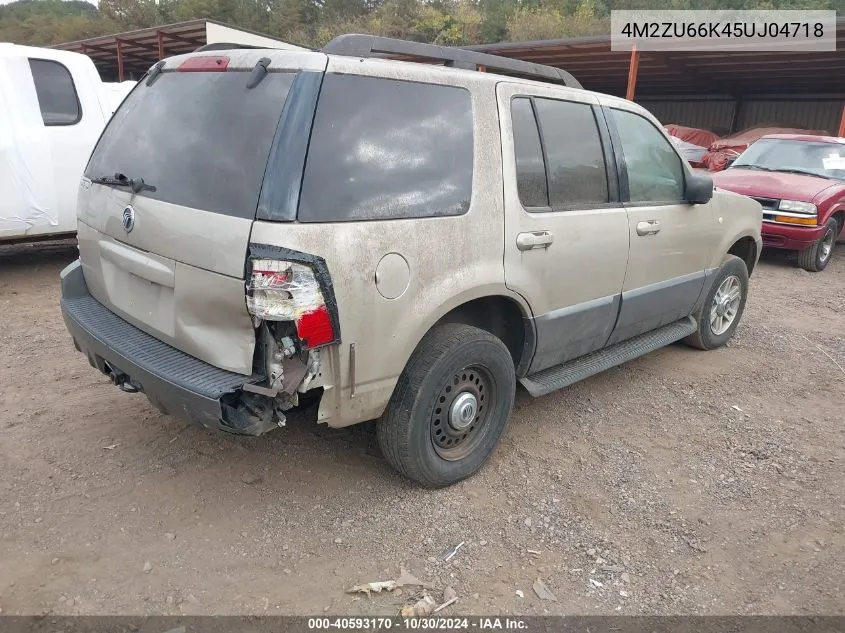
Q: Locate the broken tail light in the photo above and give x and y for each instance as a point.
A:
(289, 291)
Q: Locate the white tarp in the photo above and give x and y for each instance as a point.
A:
(113, 94)
(28, 197)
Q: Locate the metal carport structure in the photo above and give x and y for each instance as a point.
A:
(130, 55)
(736, 75)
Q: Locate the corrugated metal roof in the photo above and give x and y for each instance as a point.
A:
(727, 72)
(142, 48)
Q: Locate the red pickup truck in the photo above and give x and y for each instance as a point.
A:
(800, 181)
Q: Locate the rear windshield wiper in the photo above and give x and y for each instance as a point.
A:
(122, 180)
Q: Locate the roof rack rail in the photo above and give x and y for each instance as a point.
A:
(223, 46)
(355, 45)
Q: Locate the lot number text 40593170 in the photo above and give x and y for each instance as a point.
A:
(424, 623)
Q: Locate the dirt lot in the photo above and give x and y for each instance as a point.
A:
(683, 482)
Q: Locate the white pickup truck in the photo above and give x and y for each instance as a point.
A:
(53, 107)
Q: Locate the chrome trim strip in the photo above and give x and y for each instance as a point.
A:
(792, 214)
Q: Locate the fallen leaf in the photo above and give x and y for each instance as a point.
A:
(374, 587)
(543, 592)
(422, 608)
(405, 580)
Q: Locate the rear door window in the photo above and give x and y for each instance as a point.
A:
(577, 172)
(201, 139)
(560, 162)
(385, 149)
(56, 93)
(530, 166)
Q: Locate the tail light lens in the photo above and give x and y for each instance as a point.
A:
(204, 64)
(289, 291)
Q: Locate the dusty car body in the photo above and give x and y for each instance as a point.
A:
(398, 238)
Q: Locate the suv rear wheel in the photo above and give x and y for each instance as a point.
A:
(450, 407)
(817, 257)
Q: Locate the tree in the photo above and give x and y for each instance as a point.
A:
(314, 22)
(45, 22)
(550, 22)
(130, 14)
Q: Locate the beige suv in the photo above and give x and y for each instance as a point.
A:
(404, 241)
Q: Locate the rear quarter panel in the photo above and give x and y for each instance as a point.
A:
(451, 259)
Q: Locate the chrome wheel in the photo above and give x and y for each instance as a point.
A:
(460, 412)
(826, 245)
(725, 305)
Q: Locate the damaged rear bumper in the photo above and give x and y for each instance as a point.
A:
(175, 382)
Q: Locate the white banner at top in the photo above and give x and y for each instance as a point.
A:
(723, 30)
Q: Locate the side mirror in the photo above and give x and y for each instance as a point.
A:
(699, 188)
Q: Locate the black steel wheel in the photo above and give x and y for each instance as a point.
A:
(450, 406)
(459, 417)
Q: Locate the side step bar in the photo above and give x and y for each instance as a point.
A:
(554, 378)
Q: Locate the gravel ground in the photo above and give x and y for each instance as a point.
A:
(683, 482)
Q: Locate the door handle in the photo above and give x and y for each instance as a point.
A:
(650, 227)
(535, 239)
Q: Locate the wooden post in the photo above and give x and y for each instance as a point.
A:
(632, 73)
(842, 123)
(160, 39)
(119, 60)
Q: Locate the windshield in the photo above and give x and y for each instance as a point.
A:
(826, 160)
(201, 140)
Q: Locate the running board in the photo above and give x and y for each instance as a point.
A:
(554, 378)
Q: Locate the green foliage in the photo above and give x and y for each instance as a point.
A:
(548, 22)
(314, 22)
(43, 22)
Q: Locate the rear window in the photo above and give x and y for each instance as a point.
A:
(201, 139)
(385, 149)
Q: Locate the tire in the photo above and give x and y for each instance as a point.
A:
(417, 435)
(710, 336)
(817, 257)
